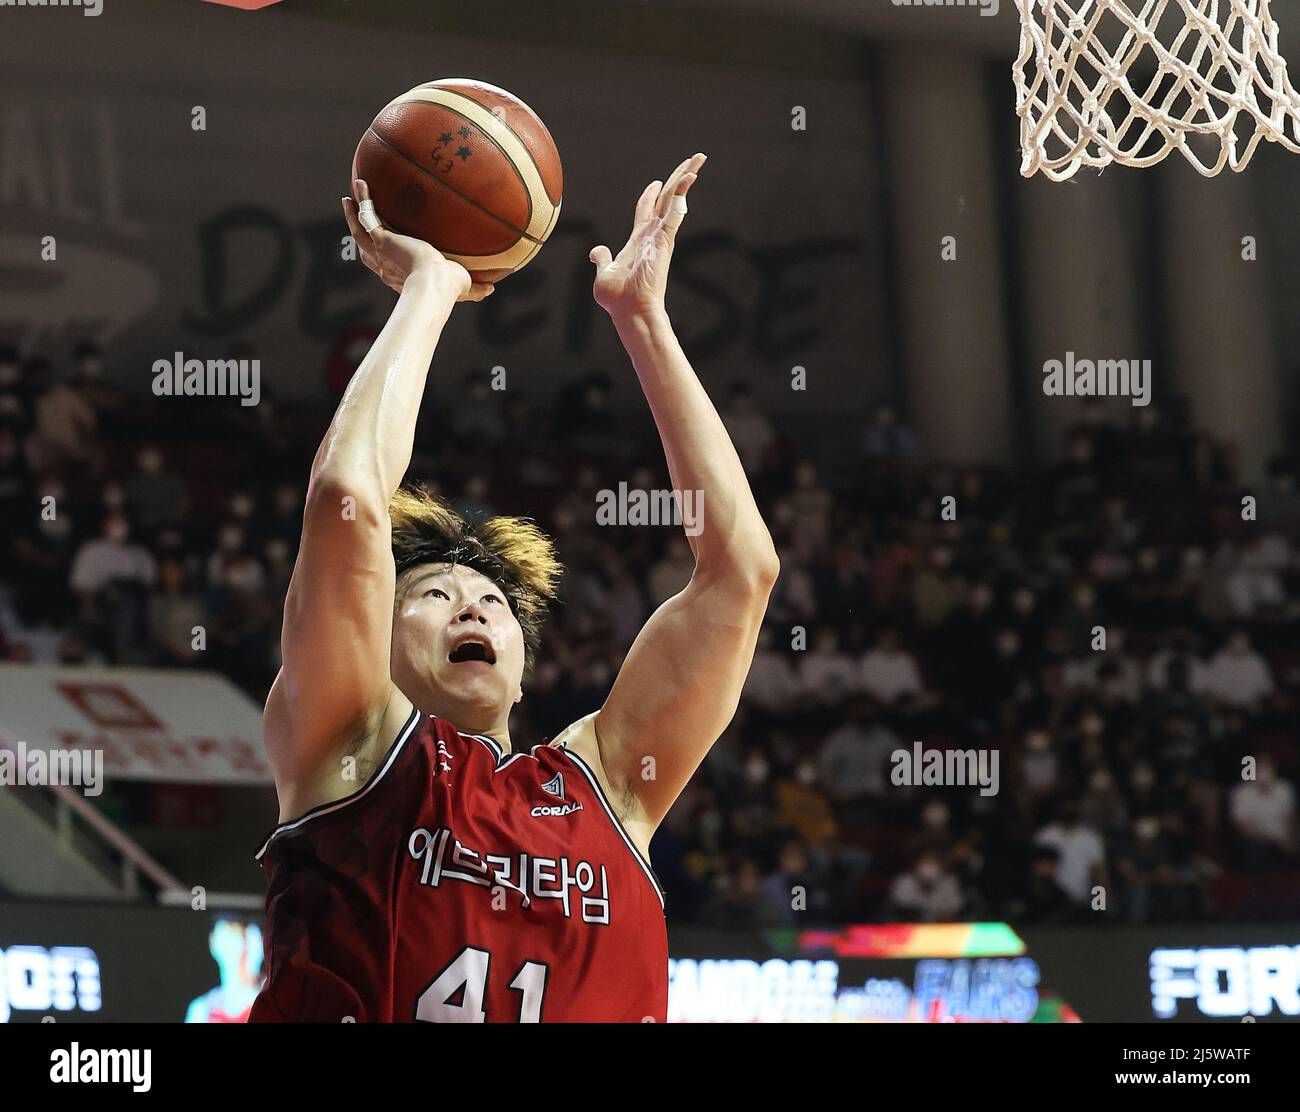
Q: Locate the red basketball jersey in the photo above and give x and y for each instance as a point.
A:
(462, 884)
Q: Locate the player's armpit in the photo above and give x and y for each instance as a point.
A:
(679, 687)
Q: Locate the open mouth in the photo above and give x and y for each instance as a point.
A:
(472, 649)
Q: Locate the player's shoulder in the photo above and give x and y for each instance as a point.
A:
(579, 738)
(580, 741)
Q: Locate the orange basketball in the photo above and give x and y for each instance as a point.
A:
(467, 167)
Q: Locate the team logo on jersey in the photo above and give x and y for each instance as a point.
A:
(555, 786)
(444, 756)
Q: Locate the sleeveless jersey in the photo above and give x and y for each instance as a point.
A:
(463, 884)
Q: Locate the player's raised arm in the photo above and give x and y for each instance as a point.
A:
(334, 685)
(680, 683)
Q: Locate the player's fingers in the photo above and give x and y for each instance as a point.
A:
(600, 256)
(366, 209)
(359, 235)
(645, 205)
(684, 167)
(682, 179)
(677, 205)
(680, 169)
(691, 176)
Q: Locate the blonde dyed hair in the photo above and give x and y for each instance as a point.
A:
(511, 551)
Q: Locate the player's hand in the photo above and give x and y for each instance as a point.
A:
(395, 258)
(635, 280)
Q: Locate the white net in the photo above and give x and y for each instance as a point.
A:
(1129, 81)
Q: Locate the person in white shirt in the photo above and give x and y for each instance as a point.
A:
(1263, 812)
(109, 558)
(1082, 864)
(794, 599)
(112, 576)
(887, 671)
(772, 684)
(750, 430)
(928, 892)
(854, 759)
(1237, 674)
(826, 674)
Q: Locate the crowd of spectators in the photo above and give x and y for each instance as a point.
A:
(1116, 630)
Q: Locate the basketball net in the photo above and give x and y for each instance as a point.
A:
(1086, 94)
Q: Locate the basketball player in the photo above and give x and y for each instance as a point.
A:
(424, 868)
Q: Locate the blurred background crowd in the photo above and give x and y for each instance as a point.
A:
(1120, 629)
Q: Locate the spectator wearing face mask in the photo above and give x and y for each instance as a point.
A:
(111, 557)
(1179, 710)
(888, 672)
(108, 402)
(750, 430)
(230, 567)
(804, 513)
(1237, 675)
(174, 613)
(1103, 807)
(155, 496)
(827, 674)
(1263, 813)
(936, 589)
(795, 891)
(772, 684)
(41, 544)
(1256, 586)
(285, 520)
(1144, 870)
(751, 805)
(111, 576)
(928, 892)
(794, 598)
(803, 806)
(1113, 676)
(738, 900)
(1039, 764)
(854, 763)
(930, 829)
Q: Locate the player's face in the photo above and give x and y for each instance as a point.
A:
(455, 637)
